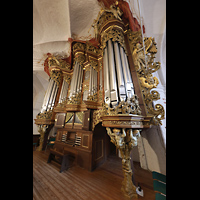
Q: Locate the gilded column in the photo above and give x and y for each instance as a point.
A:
(42, 130)
(125, 140)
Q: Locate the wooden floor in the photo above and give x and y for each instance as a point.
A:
(104, 183)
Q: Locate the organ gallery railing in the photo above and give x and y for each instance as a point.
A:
(113, 79)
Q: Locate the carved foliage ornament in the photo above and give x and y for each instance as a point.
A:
(56, 76)
(45, 115)
(131, 106)
(115, 35)
(57, 62)
(145, 66)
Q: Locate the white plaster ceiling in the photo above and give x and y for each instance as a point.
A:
(54, 21)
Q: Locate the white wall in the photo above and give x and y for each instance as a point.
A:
(40, 84)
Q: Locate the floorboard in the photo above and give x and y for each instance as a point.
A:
(76, 183)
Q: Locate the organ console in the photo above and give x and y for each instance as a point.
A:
(105, 92)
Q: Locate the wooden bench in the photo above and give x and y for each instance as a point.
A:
(64, 159)
(159, 184)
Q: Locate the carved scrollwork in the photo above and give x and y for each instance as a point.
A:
(131, 106)
(93, 97)
(58, 62)
(114, 35)
(96, 118)
(75, 99)
(56, 76)
(145, 66)
(45, 115)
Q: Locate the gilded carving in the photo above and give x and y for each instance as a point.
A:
(125, 140)
(80, 116)
(106, 14)
(96, 118)
(75, 99)
(80, 58)
(131, 106)
(93, 97)
(58, 62)
(78, 45)
(67, 78)
(69, 115)
(45, 115)
(145, 66)
(115, 35)
(94, 65)
(41, 129)
(56, 76)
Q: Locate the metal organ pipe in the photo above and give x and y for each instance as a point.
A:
(46, 97)
(115, 61)
(76, 82)
(95, 81)
(73, 80)
(79, 81)
(61, 93)
(64, 90)
(120, 77)
(127, 76)
(90, 83)
(113, 85)
(52, 95)
(100, 80)
(80, 86)
(106, 77)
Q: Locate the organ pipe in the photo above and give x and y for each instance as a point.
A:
(126, 75)
(120, 77)
(73, 80)
(117, 76)
(76, 82)
(76, 79)
(113, 85)
(46, 97)
(129, 75)
(100, 80)
(61, 93)
(106, 77)
(52, 95)
(90, 83)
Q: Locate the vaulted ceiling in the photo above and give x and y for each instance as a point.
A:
(55, 21)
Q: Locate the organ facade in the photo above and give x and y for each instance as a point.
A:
(104, 93)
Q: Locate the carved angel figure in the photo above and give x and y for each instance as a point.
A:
(134, 134)
(119, 137)
(139, 57)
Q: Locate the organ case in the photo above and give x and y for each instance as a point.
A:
(105, 91)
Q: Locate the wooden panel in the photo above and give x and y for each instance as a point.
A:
(77, 126)
(84, 159)
(98, 149)
(59, 120)
(86, 120)
(59, 135)
(85, 141)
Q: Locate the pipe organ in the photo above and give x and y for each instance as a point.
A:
(103, 94)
